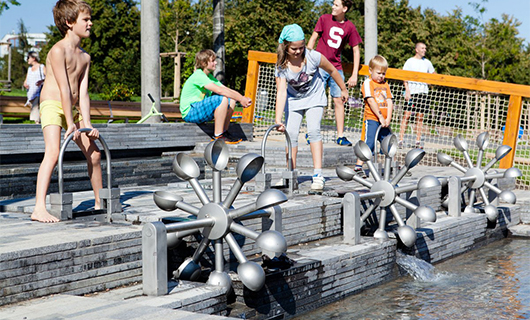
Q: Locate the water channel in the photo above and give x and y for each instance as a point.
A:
(492, 282)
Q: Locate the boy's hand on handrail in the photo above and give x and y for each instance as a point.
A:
(280, 126)
(245, 102)
(93, 134)
(72, 129)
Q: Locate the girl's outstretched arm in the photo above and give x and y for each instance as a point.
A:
(281, 97)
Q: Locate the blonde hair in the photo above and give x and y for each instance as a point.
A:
(67, 11)
(203, 57)
(378, 61)
(281, 61)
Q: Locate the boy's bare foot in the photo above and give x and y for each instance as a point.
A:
(43, 216)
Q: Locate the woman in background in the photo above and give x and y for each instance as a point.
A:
(33, 83)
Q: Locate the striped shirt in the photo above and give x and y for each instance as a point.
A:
(381, 93)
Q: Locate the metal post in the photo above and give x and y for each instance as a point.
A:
(219, 38)
(454, 207)
(154, 259)
(61, 205)
(351, 204)
(289, 178)
(276, 215)
(150, 56)
(176, 71)
(370, 30)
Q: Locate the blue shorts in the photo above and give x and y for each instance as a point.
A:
(370, 128)
(334, 88)
(203, 111)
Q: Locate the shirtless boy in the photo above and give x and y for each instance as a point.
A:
(67, 84)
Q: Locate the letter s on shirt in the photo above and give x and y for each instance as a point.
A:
(335, 34)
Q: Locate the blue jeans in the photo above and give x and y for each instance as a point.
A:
(334, 88)
(370, 128)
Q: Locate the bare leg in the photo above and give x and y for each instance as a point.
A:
(316, 152)
(294, 153)
(93, 156)
(339, 116)
(419, 126)
(220, 116)
(404, 122)
(52, 143)
(229, 114)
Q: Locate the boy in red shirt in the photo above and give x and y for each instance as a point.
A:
(335, 31)
(378, 106)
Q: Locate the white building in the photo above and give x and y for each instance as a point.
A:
(36, 41)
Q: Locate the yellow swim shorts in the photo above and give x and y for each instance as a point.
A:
(51, 112)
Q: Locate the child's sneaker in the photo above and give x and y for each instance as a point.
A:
(307, 138)
(360, 172)
(318, 182)
(227, 139)
(343, 141)
(418, 145)
(400, 144)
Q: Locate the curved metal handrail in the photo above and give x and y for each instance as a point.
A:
(375, 142)
(61, 155)
(289, 147)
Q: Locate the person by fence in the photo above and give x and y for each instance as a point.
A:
(416, 94)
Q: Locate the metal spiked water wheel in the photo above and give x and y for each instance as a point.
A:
(217, 220)
(477, 177)
(384, 190)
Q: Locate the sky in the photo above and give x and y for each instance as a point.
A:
(37, 14)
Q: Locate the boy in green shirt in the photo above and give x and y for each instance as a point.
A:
(204, 98)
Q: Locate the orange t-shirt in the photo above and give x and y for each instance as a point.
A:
(380, 92)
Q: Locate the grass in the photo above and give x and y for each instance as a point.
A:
(14, 93)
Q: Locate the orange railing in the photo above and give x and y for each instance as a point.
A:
(515, 92)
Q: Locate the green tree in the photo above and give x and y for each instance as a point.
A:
(4, 4)
(194, 34)
(113, 45)
(256, 25)
(399, 27)
(457, 45)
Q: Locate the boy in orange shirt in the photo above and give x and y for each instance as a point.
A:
(378, 106)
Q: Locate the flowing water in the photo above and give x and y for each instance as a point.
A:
(492, 282)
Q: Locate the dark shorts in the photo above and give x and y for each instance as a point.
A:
(418, 103)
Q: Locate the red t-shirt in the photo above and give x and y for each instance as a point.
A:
(333, 36)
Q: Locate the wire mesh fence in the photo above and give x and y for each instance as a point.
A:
(450, 111)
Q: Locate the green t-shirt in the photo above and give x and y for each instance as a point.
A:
(194, 91)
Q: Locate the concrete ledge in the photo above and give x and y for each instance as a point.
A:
(26, 139)
(70, 307)
(321, 275)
